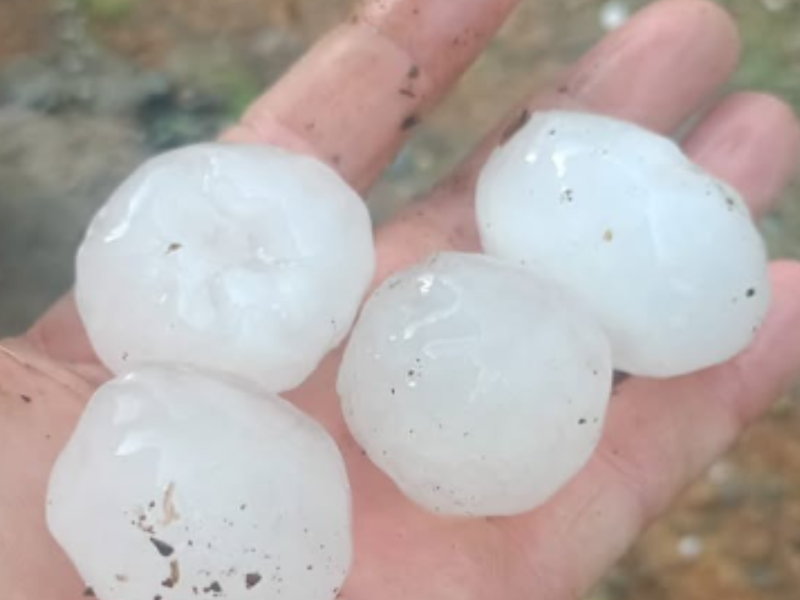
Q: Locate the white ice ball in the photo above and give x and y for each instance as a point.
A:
(478, 388)
(664, 255)
(247, 259)
(181, 485)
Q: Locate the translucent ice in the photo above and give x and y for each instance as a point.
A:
(665, 256)
(247, 259)
(181, 485)
(478, 387)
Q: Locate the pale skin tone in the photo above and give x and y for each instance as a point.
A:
(342, 104)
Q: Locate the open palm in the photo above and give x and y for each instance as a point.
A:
(351, 101)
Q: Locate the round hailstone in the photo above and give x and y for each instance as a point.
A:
(477, 387)
(665, 256)
(247, 259)
(180, 485)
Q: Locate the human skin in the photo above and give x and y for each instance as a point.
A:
(341, 103)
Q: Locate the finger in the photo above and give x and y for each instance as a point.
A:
(659, 69)
(354, 98)
(660, 435)
(754, 136)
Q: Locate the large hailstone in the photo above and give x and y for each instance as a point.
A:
(665, 256)
(479, 388)
(247, 259)
(181, 485)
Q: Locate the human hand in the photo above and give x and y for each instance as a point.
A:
(343, 104)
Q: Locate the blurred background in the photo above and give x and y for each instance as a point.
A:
(90, 88)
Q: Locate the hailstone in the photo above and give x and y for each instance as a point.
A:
(180, 485)
(664, 255)
(479, 388)
(246, 259)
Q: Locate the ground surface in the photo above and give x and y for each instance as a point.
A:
(89, 88)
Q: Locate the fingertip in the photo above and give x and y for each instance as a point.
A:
(783, 118)
(711, 15)
(704, 13)
(752, 141)
(668, 60)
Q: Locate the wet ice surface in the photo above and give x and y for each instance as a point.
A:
(179, 484)
(245, 259)
(666, 257)
(477, 387)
